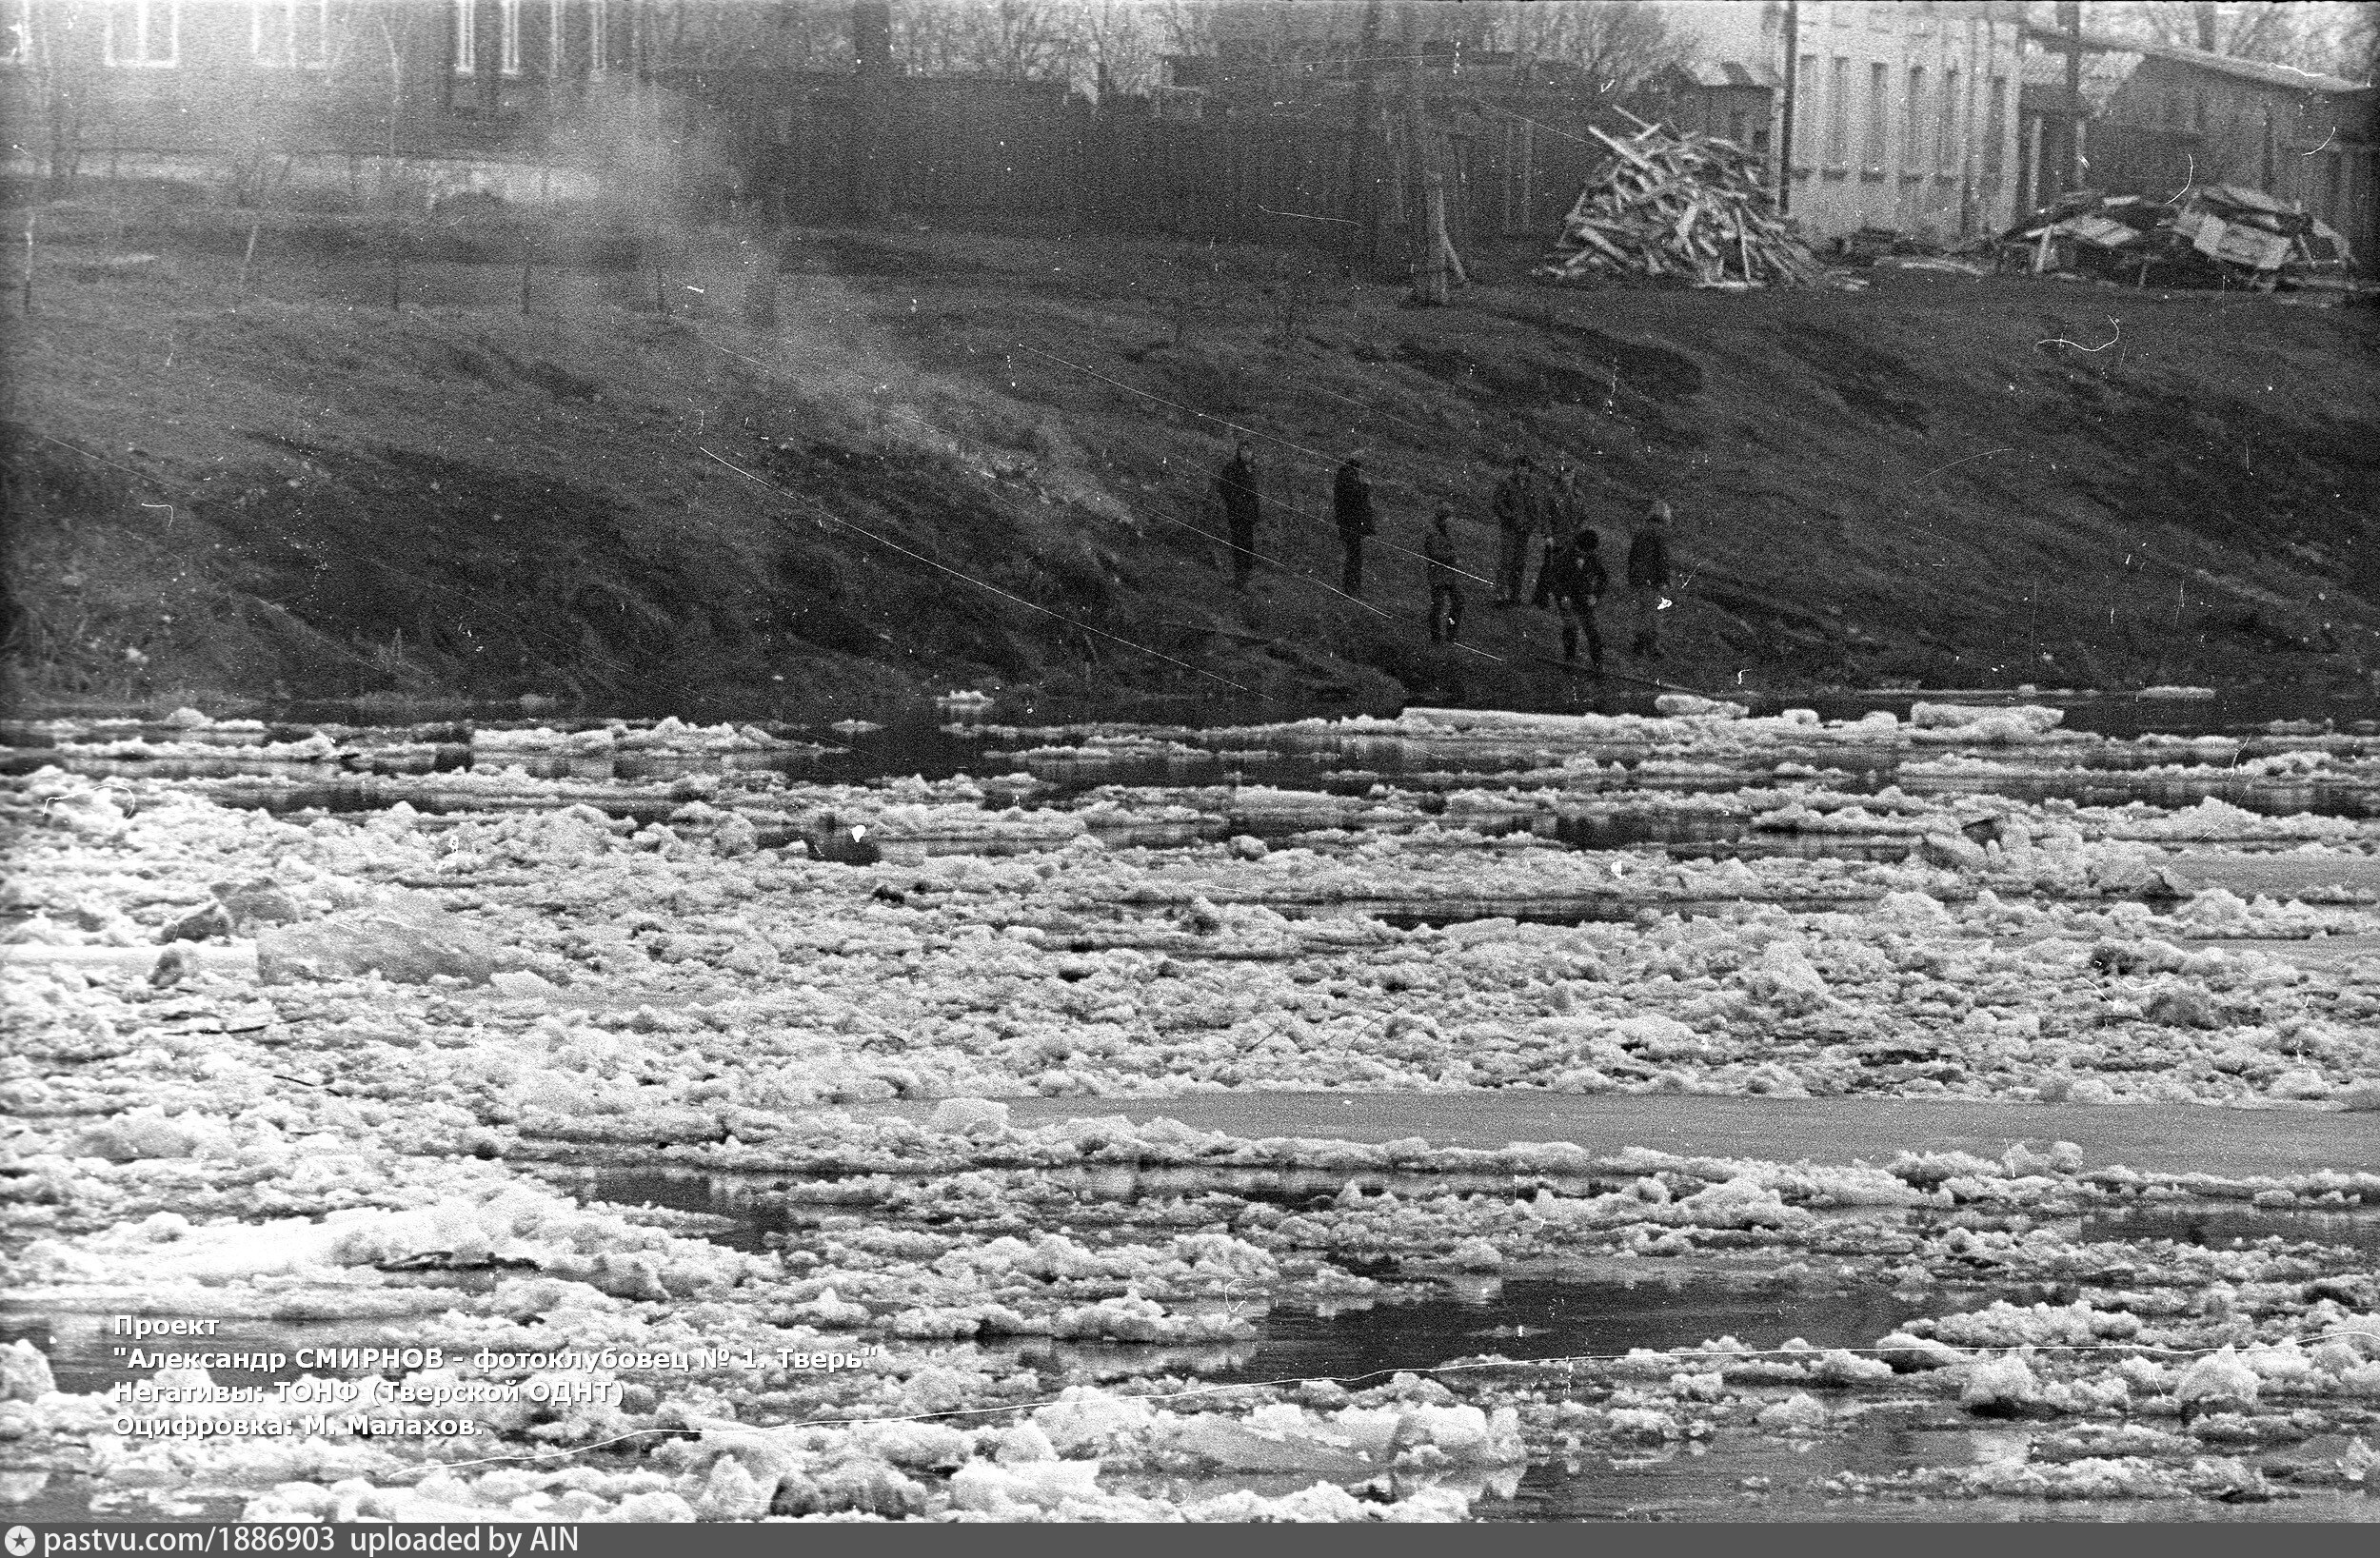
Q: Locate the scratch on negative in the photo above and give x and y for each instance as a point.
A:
(1308, 216)
(1963, 459)
(2189, 178)
(2325, 141)
(2061, 340)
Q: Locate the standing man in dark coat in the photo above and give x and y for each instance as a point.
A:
(1520, 505)
(1573, 580)
(1565, 511)
(1351, 505)
(1438, 551)
(1648, 577)
(1237, 487)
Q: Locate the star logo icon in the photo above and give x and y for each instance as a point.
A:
(20, 1541)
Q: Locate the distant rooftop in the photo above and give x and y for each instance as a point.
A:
(2262, 72)
(2102, 74)
(1730, 73)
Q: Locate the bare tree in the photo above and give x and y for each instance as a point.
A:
(2333, 36)
(1613, 45)
(1117, 41)
(63, 44)
(1020, 40)
(1181, 27)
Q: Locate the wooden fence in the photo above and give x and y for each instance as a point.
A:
(973, 150)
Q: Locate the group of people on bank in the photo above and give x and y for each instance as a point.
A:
(1528, 504)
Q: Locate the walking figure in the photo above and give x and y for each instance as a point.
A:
(1520, 505)
(1565, 511)
(1351, 504)
(1648, 576)
(1237, 489)
(1438, 551)
(1573, 580)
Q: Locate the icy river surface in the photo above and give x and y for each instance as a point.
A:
(1894, 1107)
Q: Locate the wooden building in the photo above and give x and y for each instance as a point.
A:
(2154, 118)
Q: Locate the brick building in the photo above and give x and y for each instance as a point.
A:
(88, 85)
(1903, 115)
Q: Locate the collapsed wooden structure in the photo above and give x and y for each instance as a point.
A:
(2205, 235)
(1680, 208)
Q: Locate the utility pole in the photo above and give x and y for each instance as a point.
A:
(1793, 89)
(871, 40)
(1418, 162)
(2070, 21)
(1364, 202)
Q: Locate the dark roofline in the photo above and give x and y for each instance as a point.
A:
(2261, 72)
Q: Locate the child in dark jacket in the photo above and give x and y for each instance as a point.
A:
(1573, 580)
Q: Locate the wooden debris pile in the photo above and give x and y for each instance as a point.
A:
(1680, 208)
(2208, 235)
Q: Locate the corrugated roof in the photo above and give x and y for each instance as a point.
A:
(2262, 72)
(1730, 73)
(2101, 74)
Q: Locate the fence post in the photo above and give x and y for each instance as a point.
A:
(1363, 200)
(760, 291)
(1429, 271)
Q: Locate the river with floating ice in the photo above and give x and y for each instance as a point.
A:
(512, 1038)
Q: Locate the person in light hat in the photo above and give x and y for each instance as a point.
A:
(1648, 578)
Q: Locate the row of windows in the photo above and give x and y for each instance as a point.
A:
(297, 33)
(1931, 117)
(467, 35)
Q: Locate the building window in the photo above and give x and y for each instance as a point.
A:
(598, 36)
(1879, 106)
(1914, 130)
(1839, 111)
(145, 33)
(467, 14)
(1880, 18)
(291, 33)
(1994, 124)
(1946, 125)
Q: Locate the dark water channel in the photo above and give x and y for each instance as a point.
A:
(2231, 1225)
(938, 743)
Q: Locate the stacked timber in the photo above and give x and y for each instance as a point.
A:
(1680, 208)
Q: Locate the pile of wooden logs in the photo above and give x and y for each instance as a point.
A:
(1680, 208)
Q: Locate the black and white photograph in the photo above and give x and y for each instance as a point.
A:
(1088, 761)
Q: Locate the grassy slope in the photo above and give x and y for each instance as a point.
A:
(1899, 484)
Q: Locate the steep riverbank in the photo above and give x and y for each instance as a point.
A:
(972, 460)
